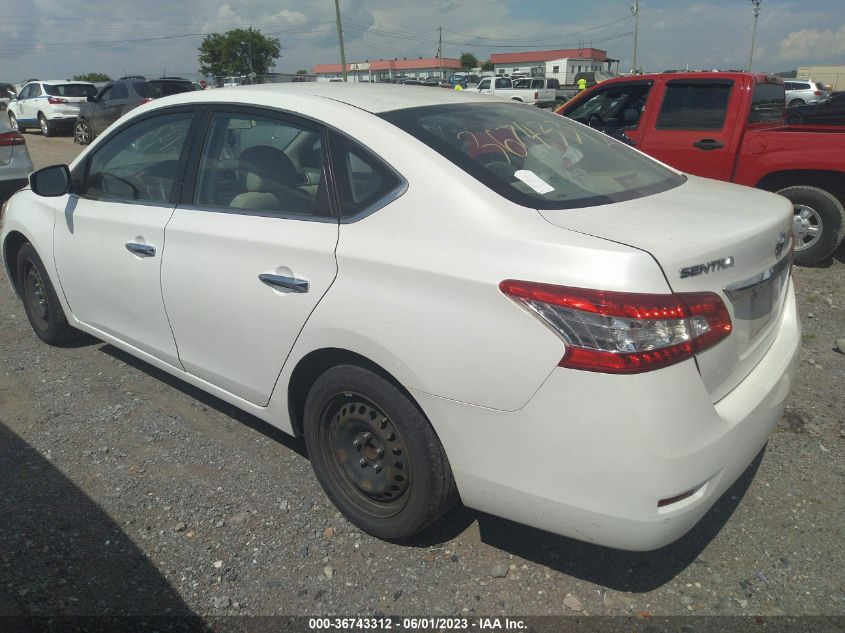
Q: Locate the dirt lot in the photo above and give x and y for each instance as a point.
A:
(131, 492)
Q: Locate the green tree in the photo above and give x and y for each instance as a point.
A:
(301, 71)
(468, 61)
(238, 52)
(92, 77)
(488, 65)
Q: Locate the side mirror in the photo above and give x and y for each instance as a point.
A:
(50, 182)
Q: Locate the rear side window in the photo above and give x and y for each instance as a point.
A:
(690, 105)
(70, 90)
(143, 89)
(364, 182)
(119, 91)
(767, 103)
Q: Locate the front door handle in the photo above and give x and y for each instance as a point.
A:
(142, 250)
(288, 283)
(708, 144)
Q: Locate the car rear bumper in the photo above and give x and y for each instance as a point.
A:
(591, 454)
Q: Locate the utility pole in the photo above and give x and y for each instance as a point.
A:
(755, 10)
(340, 39)
(635, 10)
(440, 50)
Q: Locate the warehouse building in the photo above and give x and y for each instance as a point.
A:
(561, 64)
(833, 76)
(390, 69)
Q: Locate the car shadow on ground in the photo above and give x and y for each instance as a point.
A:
(616, 569)
(62, 556)
(295, 444)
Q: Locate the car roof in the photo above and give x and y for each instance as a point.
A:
(372, 98)
(57, 82)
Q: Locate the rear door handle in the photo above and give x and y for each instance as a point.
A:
(142, 250)
(707, 144)
(288, 283)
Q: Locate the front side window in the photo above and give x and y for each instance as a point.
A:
(694, 105)
(614, 107)
(534, 158)
(140, 162)
(262, 164)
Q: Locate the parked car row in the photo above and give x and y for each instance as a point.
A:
(60, 105)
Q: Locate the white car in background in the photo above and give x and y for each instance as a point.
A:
(567, 334)
(49, 105)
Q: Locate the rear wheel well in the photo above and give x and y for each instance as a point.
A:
(831, 181)
(313, 365)
(13, 243)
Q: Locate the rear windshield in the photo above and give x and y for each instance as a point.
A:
(535, 158)
(143, 89)
(70, 90)
(820, 86)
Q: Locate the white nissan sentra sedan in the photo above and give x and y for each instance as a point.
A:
(446, 294)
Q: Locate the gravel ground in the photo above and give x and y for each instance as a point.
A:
(131, 492)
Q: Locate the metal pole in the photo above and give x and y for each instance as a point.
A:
(635, 9)
(340, 38)
(755, 9)
(440, 51)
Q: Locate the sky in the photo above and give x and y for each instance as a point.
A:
(60, 38)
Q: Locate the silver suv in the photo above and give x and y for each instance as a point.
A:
(801, 91)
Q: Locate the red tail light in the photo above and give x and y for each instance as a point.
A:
(143, 101)
(621, 332)
(56, 100)
(11, 138)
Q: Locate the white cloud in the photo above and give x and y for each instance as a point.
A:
(812, 44)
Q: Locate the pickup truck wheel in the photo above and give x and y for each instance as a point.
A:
(375, 454)
(818, 223)
(40, 301)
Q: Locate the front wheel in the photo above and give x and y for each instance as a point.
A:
(40, 301)
(795, 118)
(818, 223)
(375, 453)
(13, 123)
(82, 133)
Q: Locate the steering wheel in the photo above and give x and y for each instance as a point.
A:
(594, 120)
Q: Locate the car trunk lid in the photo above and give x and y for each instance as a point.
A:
(709, 236)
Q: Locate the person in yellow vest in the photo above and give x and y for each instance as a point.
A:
(582, 84)
(458, 87)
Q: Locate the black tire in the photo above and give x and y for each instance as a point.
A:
(13, 123)
(42, 306)
(44, 124)
(82, 132)
(819, 223)
(796, 118)
(408, 486)
(796, 102)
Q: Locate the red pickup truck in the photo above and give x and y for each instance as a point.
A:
(729, 126)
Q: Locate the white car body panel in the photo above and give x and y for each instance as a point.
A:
(207, 290)
(415, 291)
(125, 301)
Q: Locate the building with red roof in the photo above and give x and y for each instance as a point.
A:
(562, 64)
(387, 69)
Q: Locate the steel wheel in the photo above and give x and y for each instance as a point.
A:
(35, 294)
(368, 452)
(375, 453)
(13, 122)
(807, 226)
